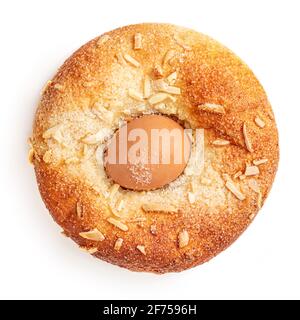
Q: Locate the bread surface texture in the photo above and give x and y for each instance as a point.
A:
(173, 71)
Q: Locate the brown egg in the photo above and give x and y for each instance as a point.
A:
(147, 153)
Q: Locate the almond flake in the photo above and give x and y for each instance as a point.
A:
(160, 85)
(102, 39)
(259, 200)
(51, 132)
(121, 59)
(259, 122)
(238, 174)
(94, 235)
(251, 171)
(260, 161)
(171, 90)
(89, 250)
(46, 86)
(254, 185)
(121, 204)
(159, 207)
(58, 87)
(113, 190)
(131, 60)
(72, 160)
(118, 224)
(252, 216)
(79, 210)
(157, 98)
(183, 239)
(48, 156)
(153, 229)
(118, 244)
(181, 43)
(147, 87)
(232, 187)
(221, 142)
(158, 71)
(172, 98)
(191, 197)
(141, 249)
(171, 78)
(206, 181)
(102, 113)
(135, 95)
(247, 139)
(160, 107)
(212, 107)
(98, 137)
(242, 177)
(31, 156)
(169, 56)
(137, 41)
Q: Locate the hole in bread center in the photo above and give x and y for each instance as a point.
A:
(147, 153)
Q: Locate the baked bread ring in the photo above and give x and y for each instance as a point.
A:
(117, 76)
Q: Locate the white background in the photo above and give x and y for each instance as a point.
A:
(35, 260)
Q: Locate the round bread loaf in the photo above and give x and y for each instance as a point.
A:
(154, 69)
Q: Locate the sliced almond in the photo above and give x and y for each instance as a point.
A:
(259, 200)
(160, 107)
(234, 189)
(89, 250)
(131, 60)
(191, 197)
(102, 113)
(206, 181)
(135, 95)
(120, 205)
(51, 132)
(212, 107)
(48, 156)
(260, 161)
(137, 41)
(221, 142)
(147, 87)
(183, 239)
(121, 59)
(171, 78)
(159, 207)
(252, 216)
(157, 98)
(103, 39)
(31, 156)
(97, 137)
(58, 87)
(94, 235)
(153, 229)
(72, 160)
(46, 86)
(247, 139)
(118, 224)
(253, 184)
(142, 249)
(79, 210)
(113, 190)
(259, 122)
(251, 171)
(159, 84)
(181, 43)
(118, 244)
(238, 174)
(172, 90)
(242, 177)
(169, 56)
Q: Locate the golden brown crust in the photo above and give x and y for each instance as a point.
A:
(208, 73)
